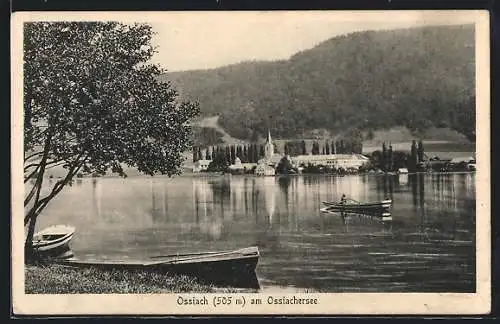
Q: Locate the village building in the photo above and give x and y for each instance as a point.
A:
(201, 165)
(267, 165)
(334, 161)
(239, 167)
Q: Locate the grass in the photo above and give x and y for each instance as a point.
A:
(56, 279)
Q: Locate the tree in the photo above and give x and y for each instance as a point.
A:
(383, 164)
(239, 152)
(245, 153)
(218, 163)
(303, 147)
(195, 154)
(250, 153)
(390, 158)
(420, 151)
(400, 159)
(413, 160)
(233, 154)
(228, 155)
(199, 154)
(262, 151)
(376, 159)
(284, 166)
(93, 103)
(347, 146)
(255, 153)
(315, 148)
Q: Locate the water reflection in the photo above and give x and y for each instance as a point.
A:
(433, 227)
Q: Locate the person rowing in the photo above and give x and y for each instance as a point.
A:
(342, 202)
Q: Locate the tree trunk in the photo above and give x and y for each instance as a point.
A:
(28, 244)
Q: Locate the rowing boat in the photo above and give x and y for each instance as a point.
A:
(383, 216)
(357, 207)
(53, 242)
(225, 268)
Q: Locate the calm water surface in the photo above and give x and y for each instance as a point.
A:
(428, 247)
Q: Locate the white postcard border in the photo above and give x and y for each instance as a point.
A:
(328, 303)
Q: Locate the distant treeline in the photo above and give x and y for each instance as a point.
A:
(251, 153)
(294, 148)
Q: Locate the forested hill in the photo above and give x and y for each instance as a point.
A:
(419, 77)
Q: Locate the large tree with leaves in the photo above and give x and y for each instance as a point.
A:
(93, 103)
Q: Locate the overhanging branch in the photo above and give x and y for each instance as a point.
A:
(58, 186)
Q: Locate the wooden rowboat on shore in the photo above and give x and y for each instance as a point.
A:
(225, 268)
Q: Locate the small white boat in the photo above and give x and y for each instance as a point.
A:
(54, 241)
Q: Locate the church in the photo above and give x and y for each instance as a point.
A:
(266, 166)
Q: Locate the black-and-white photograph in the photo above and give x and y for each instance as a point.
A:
(274, 154)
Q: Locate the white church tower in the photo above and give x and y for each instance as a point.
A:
(269, 148)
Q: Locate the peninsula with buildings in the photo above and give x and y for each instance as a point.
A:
(342, 157)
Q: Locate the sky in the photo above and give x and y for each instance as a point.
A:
(205, 40)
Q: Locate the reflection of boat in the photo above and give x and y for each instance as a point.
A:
(229, 268)
(53, 242)
(357, 207)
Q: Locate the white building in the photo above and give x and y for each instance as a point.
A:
(241, 167)
(201, 165)
(334, 161)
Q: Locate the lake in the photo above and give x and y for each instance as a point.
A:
(428, 247)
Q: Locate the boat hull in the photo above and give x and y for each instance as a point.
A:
(375, 208)
(381, 215)
(53, 242)
(235, 269)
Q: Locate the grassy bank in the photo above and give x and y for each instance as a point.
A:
(55, 279)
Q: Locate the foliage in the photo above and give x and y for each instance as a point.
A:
(392, 161)
(219, 162)
(284, 166)
(419, 77)
(93, 103)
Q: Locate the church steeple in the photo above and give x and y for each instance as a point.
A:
(269, 148)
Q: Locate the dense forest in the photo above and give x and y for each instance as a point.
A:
(419, 78)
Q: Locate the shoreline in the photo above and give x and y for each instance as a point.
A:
(219, 175)
(55, 279)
